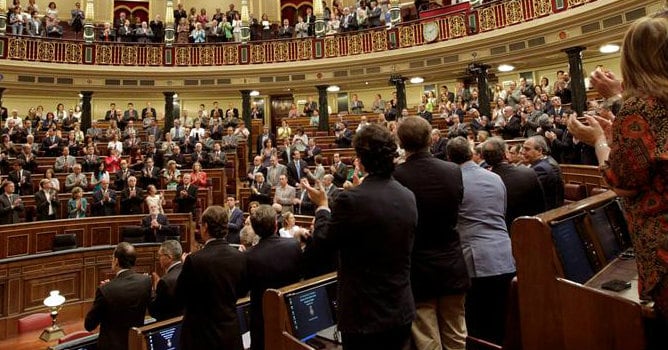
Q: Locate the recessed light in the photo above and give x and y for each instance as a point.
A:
(505, 68)
(333, 88)
(609, 48)
(254, 93)
(417, 80)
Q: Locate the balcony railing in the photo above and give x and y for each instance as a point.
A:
(469, 22)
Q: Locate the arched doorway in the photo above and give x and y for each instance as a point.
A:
(132, 9)
(290, 9)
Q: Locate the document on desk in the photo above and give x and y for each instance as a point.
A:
(331, 334)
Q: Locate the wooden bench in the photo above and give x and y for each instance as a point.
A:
(562, 258)
(587, 175)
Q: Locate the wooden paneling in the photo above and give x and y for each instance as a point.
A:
(37, 237)
(76, 273)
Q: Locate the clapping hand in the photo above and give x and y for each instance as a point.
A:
(317, 194)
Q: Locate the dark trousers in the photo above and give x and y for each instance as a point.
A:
(392, 339)
(486, 307)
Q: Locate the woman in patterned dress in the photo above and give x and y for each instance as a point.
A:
(633, 149)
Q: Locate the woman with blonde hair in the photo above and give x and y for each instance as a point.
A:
(77, 205)
(632, 149)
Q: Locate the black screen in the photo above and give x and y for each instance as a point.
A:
(166, 338)
(85, 343)
(571, 250)
(605, 233)
(310, 311)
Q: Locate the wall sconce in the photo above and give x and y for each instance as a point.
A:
(54, 302)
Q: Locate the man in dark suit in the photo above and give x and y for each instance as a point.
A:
(296, 169)
(310, 105)
(261, 190)
(50, 144)
(376, 307)
(311, 151)
(343, 136)
(448, 94)
(439, 278)
(132, 198)
(211, 281)
(273, 263)
(217, 157)
(91, 161)
(104, 200)
(155, 224)
(255, 168)
(186, 196)
(10, 204)
(46, 202)
(164, 304)
(122, 175)
(438, 144)
(216, 109)
(235, 221)
(199, 155)
(120, 303)
(150, 174)
(147, 109)
(523, 190)
(338, 170)
(21, 178)
(534, 152)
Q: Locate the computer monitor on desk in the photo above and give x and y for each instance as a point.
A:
(310, 311)
(85, 343)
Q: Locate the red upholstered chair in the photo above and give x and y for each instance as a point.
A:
(34, 322)
(74, 336)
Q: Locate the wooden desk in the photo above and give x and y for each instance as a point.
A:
(31, 341)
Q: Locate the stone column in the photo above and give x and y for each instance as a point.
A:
(245, 115)
(480, 73)
(3, 111)
(86, 110)
(323, 108)
(578, 88)
(169, 110)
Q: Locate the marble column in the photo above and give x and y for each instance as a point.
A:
(169, 110)
(323, 108)
(86, 110)
(578, 88)
(399, 83)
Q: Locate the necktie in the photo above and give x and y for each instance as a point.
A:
(298, 170)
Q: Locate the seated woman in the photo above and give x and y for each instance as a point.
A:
(300, 140)
(77, 205)
(172, 175)
(198, 177)
(355, 175)
(153, 197)
(290, 229)
(284, 132)
(98, 175)
(55, 183)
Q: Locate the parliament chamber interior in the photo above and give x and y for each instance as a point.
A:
(111, 99)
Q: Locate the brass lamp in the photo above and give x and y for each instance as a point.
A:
(54, 302)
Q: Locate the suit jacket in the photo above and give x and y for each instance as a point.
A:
(132, 205)
(122, 178)
(340, 175)
(273, 263)
(43, 205)
(234, 225)
(64, 164)
(164, 304)
(217, 161)
(437, 265)
(151, 177)
(151, 234)
(9, 215)
(550, 179)
(186, 204)
(251, 170)
(264, 195)
(47, 142)
(310, 153)
(523, 191)
(119, 305)
(374, 294)
(438, 148)
(274, 172)
(293, 175)
(146, 110)
(211, 281)
(104, 208)
(22, 189)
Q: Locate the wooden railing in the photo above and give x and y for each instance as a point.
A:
(466, 22)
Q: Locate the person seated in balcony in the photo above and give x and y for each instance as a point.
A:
(16, 21)
(286, 31)
(35, 26)
(53, 27)
(301, 28)
(144, 34)
(198, 35)
(125, 32)
(215, 33)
